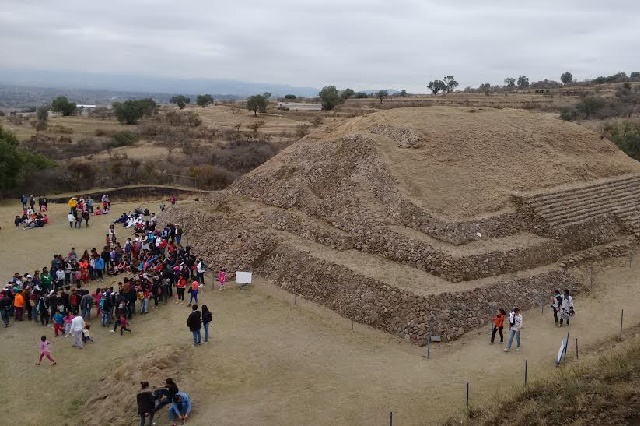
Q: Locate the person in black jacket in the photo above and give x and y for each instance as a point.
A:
(194, 322)
(146, 404)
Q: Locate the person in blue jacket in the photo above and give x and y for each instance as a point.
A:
(181, 407)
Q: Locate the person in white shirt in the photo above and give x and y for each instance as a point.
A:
(566, 308)
(515, 330)
(77, 324)
(201, 269)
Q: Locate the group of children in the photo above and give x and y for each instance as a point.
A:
(562, 305)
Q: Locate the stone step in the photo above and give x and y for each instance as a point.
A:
(605, 207)
(573, 198)
(629, 181)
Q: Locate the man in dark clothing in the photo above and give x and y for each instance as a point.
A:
(146, 404)
(86, 303)
(194, 322)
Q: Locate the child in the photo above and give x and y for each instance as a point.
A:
(86, 334)
(222, 277)
(71, 218)
(67, 323)
(122, 322)
(44, 350)
(58, 323)
(498, 322)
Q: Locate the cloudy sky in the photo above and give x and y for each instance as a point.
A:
(350, 43)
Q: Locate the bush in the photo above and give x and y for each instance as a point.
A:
(123, 139)
(626, 135)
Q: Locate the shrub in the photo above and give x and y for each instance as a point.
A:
(626, 135)
(123, 139)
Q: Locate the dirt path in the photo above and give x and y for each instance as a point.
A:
(273, 362)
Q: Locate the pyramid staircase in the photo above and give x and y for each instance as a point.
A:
(575, 206)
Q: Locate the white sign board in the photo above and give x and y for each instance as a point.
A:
(562, 352)
(243, 277)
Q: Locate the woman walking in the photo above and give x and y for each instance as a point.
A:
(193, 292)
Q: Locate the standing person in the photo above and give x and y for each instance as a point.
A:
(146, 404)
(77, 324)
(181, 407)
(86, 303)
(86, 215)
(193, 292)
(498, 322)
(201, 268)
(556, 304)
(58, 323)
(194, 322)
(207, 317)
(515, 330)
(18, 304)
(566, 308)
(23, 200)
(222, 277)
(71, 218)
(43, 346)
(90, 204)
(180, 286)
(5, 308)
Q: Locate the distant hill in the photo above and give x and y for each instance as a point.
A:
(223, 88)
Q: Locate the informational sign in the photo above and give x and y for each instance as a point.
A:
(562, 352)
(243, 277)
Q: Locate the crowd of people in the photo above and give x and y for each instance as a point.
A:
(561, 304)
(156, 269)
(30, 217)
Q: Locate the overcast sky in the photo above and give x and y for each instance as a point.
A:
(399, 44)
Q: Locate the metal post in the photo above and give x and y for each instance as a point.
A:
(467, 395)
(621, 318)
(390, 418)
(577, 348)
(526, 372)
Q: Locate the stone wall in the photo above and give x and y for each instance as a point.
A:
(398, 311)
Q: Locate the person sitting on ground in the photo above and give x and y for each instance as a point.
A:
(181, 407)
(164, 396)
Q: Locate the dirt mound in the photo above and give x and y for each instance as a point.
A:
(470, 160)
(121, 384)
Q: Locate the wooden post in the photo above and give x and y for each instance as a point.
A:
(621, 318)
(295, 299)
(526, 372)
(428, 345)
(577, 348)
(390, 418)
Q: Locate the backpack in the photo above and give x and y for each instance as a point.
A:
(208, 317)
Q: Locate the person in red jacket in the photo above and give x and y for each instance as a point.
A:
(498, 322)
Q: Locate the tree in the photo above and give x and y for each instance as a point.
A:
(566, 77)
(485, 88)
(437, 86)
(17, 165)
(403, 93)
(257, 103)
(347, 93)
(42, 113)
(382, 94)
(450, 83)
(523, 82)
(330, 97)
(62, 105)
(180, 100)
(204, 100)
(510, 82)
(131, 111)
(290, 97)
(361, 95)
(266, 95)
